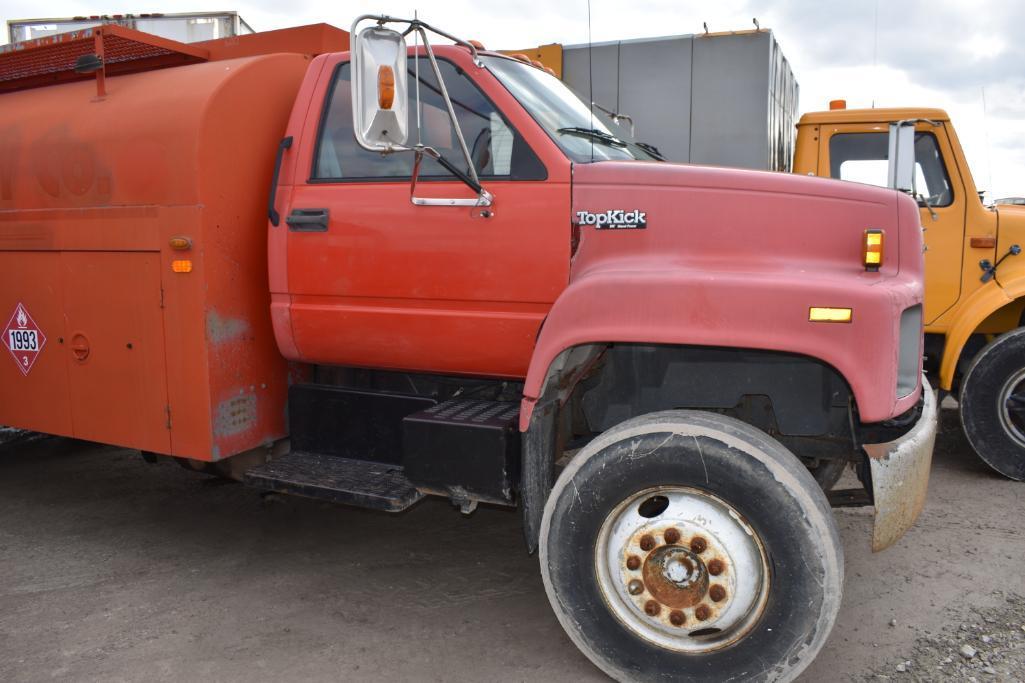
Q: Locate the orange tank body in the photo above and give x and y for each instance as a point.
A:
(121, 347)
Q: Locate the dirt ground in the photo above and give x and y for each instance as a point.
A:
(112, 569)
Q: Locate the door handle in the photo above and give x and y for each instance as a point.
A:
(307, 220)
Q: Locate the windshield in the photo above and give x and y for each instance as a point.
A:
(564, 117)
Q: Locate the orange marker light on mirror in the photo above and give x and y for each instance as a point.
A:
(385, 87)
(874, 241)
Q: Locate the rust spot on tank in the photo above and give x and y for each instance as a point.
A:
(672, 535)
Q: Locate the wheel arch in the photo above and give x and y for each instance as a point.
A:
(980, 306)
(824, 408)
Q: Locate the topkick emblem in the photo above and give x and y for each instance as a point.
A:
(614, 219)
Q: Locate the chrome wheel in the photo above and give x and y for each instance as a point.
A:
(682, 569)
(1011, 403)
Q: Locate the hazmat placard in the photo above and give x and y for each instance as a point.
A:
(23, 339)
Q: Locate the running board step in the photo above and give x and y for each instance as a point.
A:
(379, 486)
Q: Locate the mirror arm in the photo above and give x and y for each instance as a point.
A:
(484, 198)
(414, 25)
(448, 106)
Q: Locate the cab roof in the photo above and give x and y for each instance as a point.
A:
(871, 115)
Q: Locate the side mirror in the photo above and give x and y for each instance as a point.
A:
(380, 100)
(901, 170)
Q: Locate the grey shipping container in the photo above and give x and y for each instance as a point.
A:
(726, 99)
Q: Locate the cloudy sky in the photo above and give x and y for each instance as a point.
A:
(966, 56)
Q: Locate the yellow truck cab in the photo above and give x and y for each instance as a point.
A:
(974, 270)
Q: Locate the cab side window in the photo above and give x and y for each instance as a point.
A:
(863, 158)
(497, 150)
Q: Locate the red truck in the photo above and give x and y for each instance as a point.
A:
(462, 285)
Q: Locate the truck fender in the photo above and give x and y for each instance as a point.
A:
(663, 304)
(981, 304)
(656, 304)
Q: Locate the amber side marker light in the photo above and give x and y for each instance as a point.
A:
(180, 243)
(873, 249)
(822, 314)
(385, 87)
(181, 266)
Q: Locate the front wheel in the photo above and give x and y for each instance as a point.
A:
(992, 404)
(685, 545)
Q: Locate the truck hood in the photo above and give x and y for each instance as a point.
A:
(637, 213)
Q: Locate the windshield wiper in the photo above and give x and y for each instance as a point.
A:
(594, 134)
(652, 150)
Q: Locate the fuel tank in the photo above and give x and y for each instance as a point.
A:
(133, 265)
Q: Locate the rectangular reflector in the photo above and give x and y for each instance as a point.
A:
(822, 314)
(182, 266)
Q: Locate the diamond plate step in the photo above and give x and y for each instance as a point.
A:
(374, 485)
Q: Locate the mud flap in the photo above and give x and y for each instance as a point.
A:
(900, 475)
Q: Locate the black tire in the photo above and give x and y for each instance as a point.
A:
(992, 404)
(761, 480)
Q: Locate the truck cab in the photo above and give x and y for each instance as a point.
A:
(975, 278)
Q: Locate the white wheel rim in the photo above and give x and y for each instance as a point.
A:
(1009, 404)
(662, 589)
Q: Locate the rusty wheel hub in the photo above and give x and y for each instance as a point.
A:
(681, 568)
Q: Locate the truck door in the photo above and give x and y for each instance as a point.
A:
(858, 152)
(376, 281)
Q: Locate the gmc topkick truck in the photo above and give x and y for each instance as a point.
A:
(462, 285)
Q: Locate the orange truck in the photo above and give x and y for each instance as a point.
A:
(458, 286)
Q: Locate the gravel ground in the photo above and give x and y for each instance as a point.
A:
(990, 645)
(113, 569)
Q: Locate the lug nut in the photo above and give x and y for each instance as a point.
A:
(635, 587)
(677, 618)
(716, 567)
(717, 593)
(672, 535)
(698, 545)
(652, 608)
(633, 563)
(702, 612)
(647, 542)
